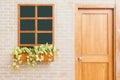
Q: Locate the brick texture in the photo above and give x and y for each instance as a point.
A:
(63, 66)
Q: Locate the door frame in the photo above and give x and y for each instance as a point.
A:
(94, 6)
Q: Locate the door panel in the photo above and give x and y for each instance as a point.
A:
(94, 44)
(90, 69)
(94, 34)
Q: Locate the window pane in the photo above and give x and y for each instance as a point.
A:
(45, 11)
(27, 24)
(44, 38)
(44, 24)
(27, 11)
(27, 38)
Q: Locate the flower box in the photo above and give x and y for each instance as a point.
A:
(31, 56)
(47, 58)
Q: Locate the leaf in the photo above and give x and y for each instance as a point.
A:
(41, 58)
(20, 62)
(49, 59)
(30, 53)
(18, 58)
(17, 67)
(28, 63)
(57, 53)
(15, 52)
(33, 62)
(41, 52)
(37, 58)
(31, 59)
(36, 47)
(33, 65)
(46, 53)
(19, 50)
(27, 56)
(14, 60)
(51, 53)
(14, 64)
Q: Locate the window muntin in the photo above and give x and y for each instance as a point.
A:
(35, 24)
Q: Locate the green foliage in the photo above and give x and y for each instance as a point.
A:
(34, 54)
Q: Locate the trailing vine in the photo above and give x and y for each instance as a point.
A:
(33, 55)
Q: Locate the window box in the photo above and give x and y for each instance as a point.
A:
(32, 56)
(46, 57)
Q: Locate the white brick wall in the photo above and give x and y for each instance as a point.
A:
(63, 67)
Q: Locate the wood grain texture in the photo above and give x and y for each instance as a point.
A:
(36, 18)
(90, 69)
(94, 40)
(95, 6)
(117, 39)
(18, 25)
(94, 32)
(36, 4)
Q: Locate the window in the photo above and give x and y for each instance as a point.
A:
(35, 24)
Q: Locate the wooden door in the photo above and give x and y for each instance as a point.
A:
(94, 44)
